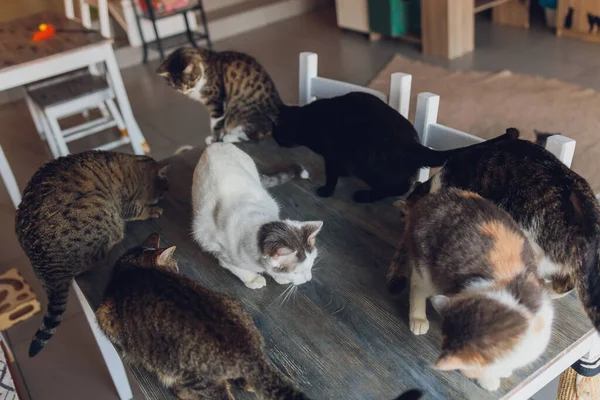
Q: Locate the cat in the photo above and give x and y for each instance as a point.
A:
(74, 211)
(594, 22)
(480, 269)
(241, 97)
(237, 220)
(413, 394)
(555, 207)
(358, 134)
(194, 340)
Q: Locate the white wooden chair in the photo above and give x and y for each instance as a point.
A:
(54, 99)
(312, 86)
(440, 137)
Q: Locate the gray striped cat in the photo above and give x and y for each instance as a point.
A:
(74, 211)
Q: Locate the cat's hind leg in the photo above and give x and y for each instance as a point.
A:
(217, 121)
(419, 292)
(331, 175)
(251, 279)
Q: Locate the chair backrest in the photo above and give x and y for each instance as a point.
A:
(312, 86)
(440, 137)
(86, 18)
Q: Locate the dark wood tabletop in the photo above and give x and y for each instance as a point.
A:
(341, 336)
(17, 46)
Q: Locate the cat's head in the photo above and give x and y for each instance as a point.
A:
(288, 129)
(478, 332)
(289, 249)
(156, 181)
(150, 255)
(182, 69)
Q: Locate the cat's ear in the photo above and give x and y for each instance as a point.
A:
(311, 229)
(450, 362)
(188, 69)
(162, 169)
(164, 257)
(440, 303)
(152, 241)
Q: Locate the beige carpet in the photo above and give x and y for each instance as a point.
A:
(485, 104)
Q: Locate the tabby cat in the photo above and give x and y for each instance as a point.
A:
(74, 211)
(358, 134)
(473, 258)
(237, 220)
(241, 98)
(194, 340)
(555, 207)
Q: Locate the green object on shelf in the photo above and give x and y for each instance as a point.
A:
(395, 17)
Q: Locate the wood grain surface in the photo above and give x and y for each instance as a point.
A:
(341, 336)
(17, 46)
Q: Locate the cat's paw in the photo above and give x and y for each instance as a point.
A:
(209, 140)
(489, 383)
(258, 282)
(419, 326)
(325, 191)
(154, 212)
(231, 139)
(362, 196)
(281, 281)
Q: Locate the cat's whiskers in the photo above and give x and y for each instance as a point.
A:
(282, 295)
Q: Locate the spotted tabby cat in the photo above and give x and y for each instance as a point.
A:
(241, 98)
(74, 211)
(194, 340)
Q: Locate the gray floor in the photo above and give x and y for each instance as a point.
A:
(70, 367)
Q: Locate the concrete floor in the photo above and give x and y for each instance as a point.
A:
(71, 367)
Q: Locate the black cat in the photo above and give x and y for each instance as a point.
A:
(593, 20)
(358, 134)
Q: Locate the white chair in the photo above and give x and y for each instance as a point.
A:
(112, 359)
(312, 86)
(440, 137)
(54, 99)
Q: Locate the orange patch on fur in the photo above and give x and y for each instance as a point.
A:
(538, 325)
(468, 195)
(464, 359)
(505, 255)
(104, 315)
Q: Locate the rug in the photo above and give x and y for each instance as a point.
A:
(484, 104)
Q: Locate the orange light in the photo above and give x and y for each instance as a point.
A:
(43, 27)
(44, 32)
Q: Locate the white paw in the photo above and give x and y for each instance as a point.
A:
(231, 139)
(281, 281)
(256, 283)
(419, 326)
(209, 140)
(491, 384)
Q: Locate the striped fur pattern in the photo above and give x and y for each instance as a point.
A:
(241, 97)
(74, 211)
(195, 341)
(555, 207)
(480, 270)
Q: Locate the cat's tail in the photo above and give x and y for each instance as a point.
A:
(57, 305)
(292, 172)
(183, 149)
(434, 158)
(587, 282)
(270, 384)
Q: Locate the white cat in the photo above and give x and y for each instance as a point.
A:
(237, 220)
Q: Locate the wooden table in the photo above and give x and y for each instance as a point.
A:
(24, 61)
(342, 336)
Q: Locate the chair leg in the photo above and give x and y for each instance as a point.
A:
(50, 138)
(63, 149)
(114, 111)
(9, 180)
(113, 362)
(35, 115)
(205, 24)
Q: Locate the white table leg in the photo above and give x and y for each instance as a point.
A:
(111, 357)
(138, 142)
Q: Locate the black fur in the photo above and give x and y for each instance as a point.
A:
(358, 134)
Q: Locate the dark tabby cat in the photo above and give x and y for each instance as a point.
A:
(496, 317)
(74, 211)
(358, 134)
(555, 207)
(196, 341)
(241, 98)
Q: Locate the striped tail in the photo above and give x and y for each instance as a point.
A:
(270, 384)
(293, 171)
(57, 304)
(587, 282)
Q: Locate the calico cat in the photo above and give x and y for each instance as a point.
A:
(358, 134)
(194, 340)
(241, 97)
(74, 211)
(237, 220)
(555, 207)
(473, 258)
